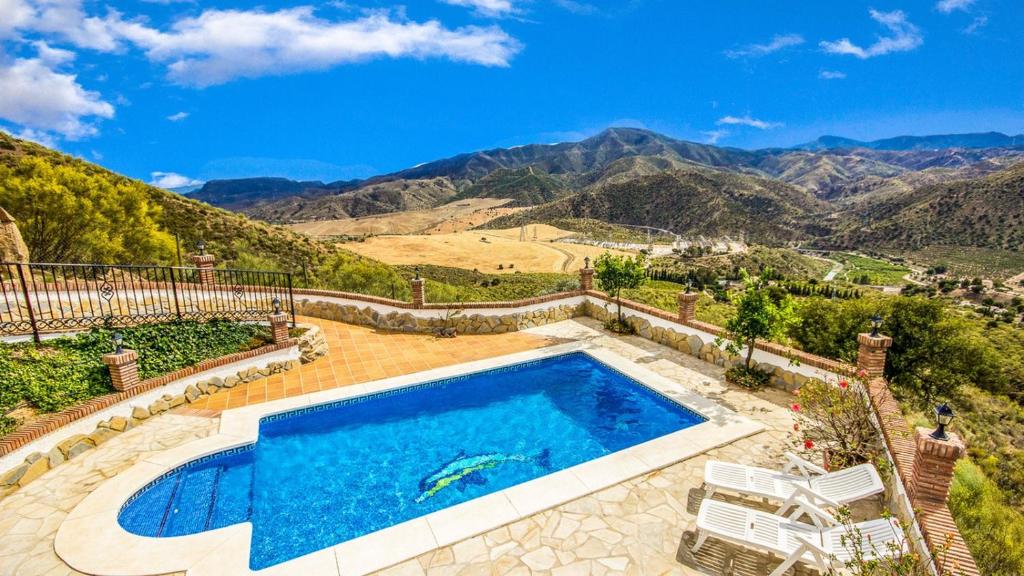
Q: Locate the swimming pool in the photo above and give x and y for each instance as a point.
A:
(331, 473)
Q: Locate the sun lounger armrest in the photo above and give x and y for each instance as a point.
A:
(806, 501)
(805, 467)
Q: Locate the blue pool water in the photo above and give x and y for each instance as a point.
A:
(323, 475)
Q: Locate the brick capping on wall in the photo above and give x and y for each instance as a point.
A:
(57, 420)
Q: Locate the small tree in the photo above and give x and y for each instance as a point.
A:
(759, 314)
(618, 272)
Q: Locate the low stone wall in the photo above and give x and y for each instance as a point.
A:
(464, 320)
(311, 345)
(701, 345)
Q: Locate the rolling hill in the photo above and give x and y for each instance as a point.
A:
(986, 211)
(38, 185)
(692, 201)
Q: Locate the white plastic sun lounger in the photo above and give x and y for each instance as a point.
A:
(841, 486)
(822, 545)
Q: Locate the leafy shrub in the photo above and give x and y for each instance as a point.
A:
(993, 531)
(65, 371)
(618, 326)
(891, 559)
(835, 418)
(753, 378)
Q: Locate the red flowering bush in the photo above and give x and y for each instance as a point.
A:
(834, 419)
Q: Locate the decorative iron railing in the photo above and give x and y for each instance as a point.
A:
(38, 298)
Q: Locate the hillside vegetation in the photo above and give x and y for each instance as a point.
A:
(524, 186)
(980, 212)
(690, 202)
(69, 210)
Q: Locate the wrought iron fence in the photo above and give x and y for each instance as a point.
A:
(38, 298)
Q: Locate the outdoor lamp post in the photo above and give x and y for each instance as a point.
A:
(586, 261)
(876, 322)
(943, 416)
(118, 342)
(689, 286)
(201, 246)
(276, 302)
(417, 273)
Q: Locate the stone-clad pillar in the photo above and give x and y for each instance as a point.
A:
(871, 354)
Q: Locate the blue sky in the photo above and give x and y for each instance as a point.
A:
(176, 91)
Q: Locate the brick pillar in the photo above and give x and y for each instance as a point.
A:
(204, 262)
(871, 354)
(586, 279)
(124, 368)
(279, 327)
(417, 292)
(933, 466)
(687, 306)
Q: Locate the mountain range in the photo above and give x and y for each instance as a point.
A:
(824, 192)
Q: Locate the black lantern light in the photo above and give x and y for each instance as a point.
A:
(118, 340)
(201, 246)
(689, 286)
(943, 416)
(417, 273)
(586, 262)
(276, 302)
(876, 322)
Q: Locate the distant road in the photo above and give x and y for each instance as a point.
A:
(837, 267)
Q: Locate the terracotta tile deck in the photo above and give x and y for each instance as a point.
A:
(361, 354)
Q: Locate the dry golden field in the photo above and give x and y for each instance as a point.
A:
(454, 217)
(482, 250)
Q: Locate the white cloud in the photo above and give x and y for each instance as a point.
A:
(222, 45)
(491, 8)
(978, 23)
(38, 98)
(37, 136)
(576, 7)
(948, 6)
(831, 75)
(713, 136)
(178, 116)
(64, 19)
(778, 42)
(747, 121)
(53, 57)
(903, 36)
(172, 180)
(16, 14)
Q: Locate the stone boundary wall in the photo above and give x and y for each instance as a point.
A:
(486, 318)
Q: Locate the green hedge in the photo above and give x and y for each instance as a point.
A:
(65, 371)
